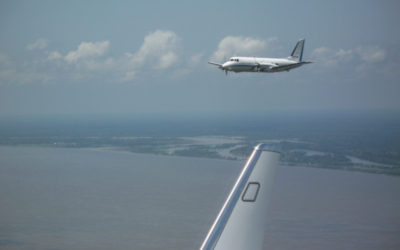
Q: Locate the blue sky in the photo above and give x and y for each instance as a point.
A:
(94, 57)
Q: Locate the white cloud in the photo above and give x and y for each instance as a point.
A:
(54, 55)
(196, 59)
(87, 50)
(330, 58)
(98, 65)
(239, 46)
(167, 60)
(363, 55)
(25, 75)
(362, 60)
(160, 50)
(371, 54)
(41, 43)
(128, 76)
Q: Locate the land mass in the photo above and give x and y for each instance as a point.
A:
(376, 142)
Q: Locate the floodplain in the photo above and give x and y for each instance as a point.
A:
(353, 141)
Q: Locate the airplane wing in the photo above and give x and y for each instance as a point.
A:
(240, 224)
(213, 63)
(290, 66)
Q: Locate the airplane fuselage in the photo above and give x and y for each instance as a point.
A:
(266, 65)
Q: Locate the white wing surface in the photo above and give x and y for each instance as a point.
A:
(241, 222)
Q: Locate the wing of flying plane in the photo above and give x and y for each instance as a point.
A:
(241, 221)
(218, 64)
(290, 66)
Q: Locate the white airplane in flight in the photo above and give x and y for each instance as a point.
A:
(266, 65)
(241, 221)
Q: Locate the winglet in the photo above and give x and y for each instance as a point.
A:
(241, 221)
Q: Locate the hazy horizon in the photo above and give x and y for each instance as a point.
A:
(95, 57)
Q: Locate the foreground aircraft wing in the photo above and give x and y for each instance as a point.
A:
(290, 66)
(213, 63)
(241, 222)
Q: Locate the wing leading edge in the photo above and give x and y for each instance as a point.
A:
(241, 221)
(290, 66)
(213, 63)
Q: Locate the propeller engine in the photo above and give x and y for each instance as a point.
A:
(256, 65)
(220, 67)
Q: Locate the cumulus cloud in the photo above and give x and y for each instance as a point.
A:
(87, 50)
(240, 46)
(196, 59)
(329, 58)
(55, 65)
(98, 65)
(160, 50)
(16, 74)
(41, 43)
(371, 54)
(167, 60)
(363, 54)
(363, 59)
(54, 55)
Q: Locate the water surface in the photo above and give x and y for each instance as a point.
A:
(54, 198)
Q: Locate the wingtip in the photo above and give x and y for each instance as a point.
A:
(269, 147)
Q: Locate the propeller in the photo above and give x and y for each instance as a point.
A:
(256, 65)
(226, 71)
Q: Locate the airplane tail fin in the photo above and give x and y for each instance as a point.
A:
(241, 221)
(297, 54)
